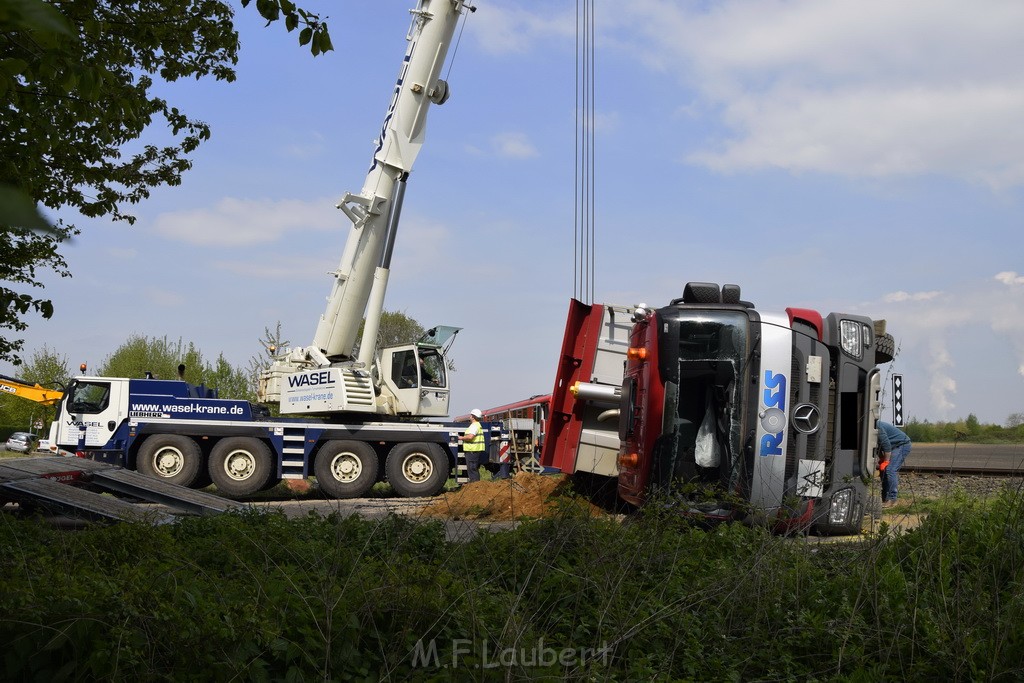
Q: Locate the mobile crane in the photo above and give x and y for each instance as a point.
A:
(187, 435)
(326, 378)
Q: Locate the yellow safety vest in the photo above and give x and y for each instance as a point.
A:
(477, 444)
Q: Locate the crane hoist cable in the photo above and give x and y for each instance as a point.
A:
(584, 246)
(458, 39)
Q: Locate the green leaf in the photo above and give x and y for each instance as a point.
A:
(18, 210)
(13, 66)
(35, 15)
(268, 9)
(305, 35)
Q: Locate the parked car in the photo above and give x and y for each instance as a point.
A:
(20, 441)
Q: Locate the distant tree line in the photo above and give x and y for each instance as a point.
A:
(968, 429)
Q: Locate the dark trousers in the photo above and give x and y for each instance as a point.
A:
(473, 459)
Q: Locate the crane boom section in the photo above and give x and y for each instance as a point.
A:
(398, 144)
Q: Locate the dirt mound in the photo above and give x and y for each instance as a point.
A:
(524, 495)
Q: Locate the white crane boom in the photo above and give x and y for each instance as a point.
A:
(344, 383)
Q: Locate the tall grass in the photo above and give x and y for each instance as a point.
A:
(256, 596)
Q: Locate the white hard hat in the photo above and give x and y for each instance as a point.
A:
(476, 413)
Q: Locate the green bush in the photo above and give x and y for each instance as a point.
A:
(256, 596)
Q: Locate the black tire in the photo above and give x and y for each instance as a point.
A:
(170, 457)
(240, 465)
(203, 477)
(885, 348)
(417, 470)
(346, 469)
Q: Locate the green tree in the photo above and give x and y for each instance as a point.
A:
(396, 327)
(162, 358)
(229, 381)
(75, 99)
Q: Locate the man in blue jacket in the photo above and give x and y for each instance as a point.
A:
(895, 447)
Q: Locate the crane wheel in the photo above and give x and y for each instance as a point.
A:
(172, 458)
(346, 469)
(240, 465)
(417, 469)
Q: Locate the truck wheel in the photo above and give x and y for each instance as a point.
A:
(885, 348)
(170, 457)
(240, 465)
(417, 469)
(346, 469)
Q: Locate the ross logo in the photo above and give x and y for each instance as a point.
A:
(773, 416)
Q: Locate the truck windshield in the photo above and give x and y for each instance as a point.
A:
(88, 397)
(702, 356)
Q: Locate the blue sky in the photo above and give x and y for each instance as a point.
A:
(864, 157)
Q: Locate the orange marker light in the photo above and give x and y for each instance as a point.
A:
(636, 353)
(629, 459)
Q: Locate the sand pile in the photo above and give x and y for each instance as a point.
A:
(524, 495)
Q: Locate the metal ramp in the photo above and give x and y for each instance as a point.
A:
(56, 483)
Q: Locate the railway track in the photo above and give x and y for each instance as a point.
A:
(960, 470)
(962, 459)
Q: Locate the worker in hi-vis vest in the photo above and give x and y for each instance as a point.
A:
(473, 444)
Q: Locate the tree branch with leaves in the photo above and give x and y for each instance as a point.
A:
(76, 79)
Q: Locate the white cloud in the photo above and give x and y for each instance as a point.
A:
(980, 316)
(502, 29)
(897, 297)
(871, 88)
(423, 247)
(1010, 278)
(237, 222)
(513, 145)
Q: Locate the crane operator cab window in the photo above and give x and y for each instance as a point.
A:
(88, 397)
(410, 370)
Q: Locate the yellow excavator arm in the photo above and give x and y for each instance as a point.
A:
(33, 392)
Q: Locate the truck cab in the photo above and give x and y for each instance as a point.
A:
(736, 414)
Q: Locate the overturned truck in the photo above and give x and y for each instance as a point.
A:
(751, 415)
(721, 410)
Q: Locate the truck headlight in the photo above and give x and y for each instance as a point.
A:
(839, 511)
(854, 336)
